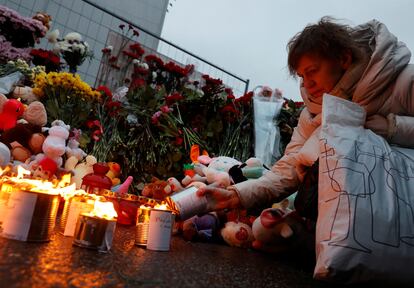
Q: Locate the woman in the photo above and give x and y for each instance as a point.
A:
(365, 64)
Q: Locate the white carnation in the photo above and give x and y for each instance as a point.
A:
(73, 36)
(52, 36)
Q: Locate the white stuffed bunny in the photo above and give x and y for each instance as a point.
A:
(73, 149)
(55, 143)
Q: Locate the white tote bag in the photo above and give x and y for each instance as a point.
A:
(365, 226)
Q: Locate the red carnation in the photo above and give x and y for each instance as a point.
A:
(170, 99)
(104, 91)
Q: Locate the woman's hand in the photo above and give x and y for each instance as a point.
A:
(219, 198)
(378, 124)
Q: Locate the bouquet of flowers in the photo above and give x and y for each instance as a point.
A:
(72, 48)
(164, 113)
(46, 58)
(28, 72)
(17, 35)
(66, 97)
(20, 31)
(118, 60)
(287, 120)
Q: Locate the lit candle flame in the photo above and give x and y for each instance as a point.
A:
(103, 209)
(70, 191)
(161, 207)
(39, 185)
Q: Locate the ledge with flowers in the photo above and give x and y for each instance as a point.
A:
(149, 117)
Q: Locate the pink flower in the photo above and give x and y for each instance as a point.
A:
(155, 117)
(165, 109)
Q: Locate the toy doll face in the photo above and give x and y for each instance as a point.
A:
(41, 173)
(320, 75)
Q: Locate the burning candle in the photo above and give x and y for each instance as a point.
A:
(95, 230)
(78, 204)
(142, 225)
(30, 216)
(29, 207)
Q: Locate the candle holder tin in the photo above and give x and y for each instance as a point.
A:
(29, 216)
(77, 205)
(142, 226)
(126, 205)
(94, 232)
(160, 230)
(186, 203)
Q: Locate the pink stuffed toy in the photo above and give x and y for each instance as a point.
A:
(276, 231)
(237, 234)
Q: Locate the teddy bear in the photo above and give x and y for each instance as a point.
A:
(23, 140)
(81, 169)
(55, 143)
(25, 93)
(155, 189)
(276, 231)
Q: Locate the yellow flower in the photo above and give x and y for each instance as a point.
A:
(38, 92)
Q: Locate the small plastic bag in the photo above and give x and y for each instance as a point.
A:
(267, 135)
(8, 82)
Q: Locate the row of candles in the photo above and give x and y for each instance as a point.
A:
(28, 212)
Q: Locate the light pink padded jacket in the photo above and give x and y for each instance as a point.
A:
(385, 85)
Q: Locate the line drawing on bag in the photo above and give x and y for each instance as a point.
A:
(354, 178)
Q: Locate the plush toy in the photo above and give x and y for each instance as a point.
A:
(283, 205)
(124, 187)
(72, 149)
(23, 140)
(155, 189)
(25, 94)
(195, 178)
(45, 169)
(19, 152)
(4, 154)
(276, 231)
(12, 110)
(237, 234)
(204, 228)
(114, 172)
(254, 168)
(173, 185)
(35, 113)
(217, 170)
(80, 169)
(251, 169)
(55, 143)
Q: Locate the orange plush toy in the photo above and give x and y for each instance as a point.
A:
(155, 189)
(114, 173)
(12, 110)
